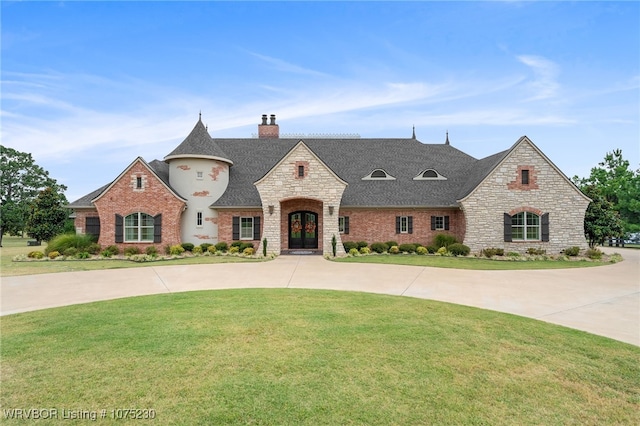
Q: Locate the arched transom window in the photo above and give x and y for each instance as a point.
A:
(138, 227)
(378, 174)
(525, 226)
(429, 174)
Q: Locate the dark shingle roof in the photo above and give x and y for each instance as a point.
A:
(199, 143)
(351, 160)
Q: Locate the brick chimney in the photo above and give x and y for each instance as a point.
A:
(268, 131)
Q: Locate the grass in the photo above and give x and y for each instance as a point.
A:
(301, 357)
(467, 262)
(13, 246)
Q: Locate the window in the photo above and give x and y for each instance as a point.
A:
(246, 228)
(301, 171)
(525, 226)
(199, 175)
(378, 174)
(198, 218)
(138, 182)
(429, 174)
(525, 177)
(343, 224)
(439, 223)
(138, 227)
(404, 224)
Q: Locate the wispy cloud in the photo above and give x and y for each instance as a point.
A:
(545, 73)
(281, 65)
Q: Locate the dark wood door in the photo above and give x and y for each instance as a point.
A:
(303, 230)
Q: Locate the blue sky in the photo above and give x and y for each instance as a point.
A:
(89, 86)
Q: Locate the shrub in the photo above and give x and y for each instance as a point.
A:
(432, 249)
(83, 255)
(187, 246)
(71, 251)
(394, 250)
(442, 251)
(130, 251)
(142, 258)
(64, 241)
(362, 244)
(536, 251)
(422, 250)
(391, 243)
(113, 250)
(458, 249)
(572, 251)
(334, 245)
(248, 251)
(94, 248)
(197, 250)
(151, 251)
(205, 246)
(234, 249)
(54, 254)
(176, 250)
(212, 249)
(492, 251)
(35, 255)
(365, 250)
(444, 240)
(348, 245)
(264, 245)
(379, 247)
(244, 246)
(513, 254)
(409, 248)
(106, 253)
(354, 252)
(593, 253)
(222, 246)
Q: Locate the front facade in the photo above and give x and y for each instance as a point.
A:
(297, 194)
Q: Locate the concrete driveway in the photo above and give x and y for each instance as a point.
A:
(604, 300)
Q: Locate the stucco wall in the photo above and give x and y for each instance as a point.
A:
(200, 193)
(502, 192)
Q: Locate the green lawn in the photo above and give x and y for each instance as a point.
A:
(301, 357)
(13, 246)
(469, 262)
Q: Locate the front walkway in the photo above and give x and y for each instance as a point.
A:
(604, 300)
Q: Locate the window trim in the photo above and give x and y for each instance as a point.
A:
(246, 219)
(370, 176)
(138, 228)
(199, 175)
(421, 176)
(404, 224)
(525, 227)
(199, 218)
(439, 223)
(138, 182)
(524, 176)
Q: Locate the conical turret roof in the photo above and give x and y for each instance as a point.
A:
(199, 144)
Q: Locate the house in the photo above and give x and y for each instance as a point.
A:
(297, 193)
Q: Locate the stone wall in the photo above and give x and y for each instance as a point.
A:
(153, 198)
(502, 192)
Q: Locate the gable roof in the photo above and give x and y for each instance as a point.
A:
(199, 144)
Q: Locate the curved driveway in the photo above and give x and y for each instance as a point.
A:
(604, 300)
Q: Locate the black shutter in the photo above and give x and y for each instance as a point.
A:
(236, 228)
(545, 227)
(397, 224)
(507, 228)
(157, 228)
(433, 223)
(346, 224)
(92, 226)
(119, 229)
(410, 224)
(256, 227)
(446, 223)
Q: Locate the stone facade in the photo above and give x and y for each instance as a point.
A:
(282, 185)
(123, 197)
(502, 191)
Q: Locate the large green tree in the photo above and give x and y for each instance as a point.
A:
(47, 215)
(620, 185)
(601, 221)
(21, 180)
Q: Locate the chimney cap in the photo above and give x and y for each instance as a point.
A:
(273, 119)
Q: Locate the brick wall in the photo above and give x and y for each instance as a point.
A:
(154, 198)
(379, 225)
(80, 220)
(225, 225)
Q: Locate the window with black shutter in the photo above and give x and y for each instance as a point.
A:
(235, 225)
(92, 227)
(119, 237)
(157, 228)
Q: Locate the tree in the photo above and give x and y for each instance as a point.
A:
(601, 221)
(619, 185)
(47, 215)
(20, 182)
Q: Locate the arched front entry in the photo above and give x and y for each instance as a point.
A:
(303, 230)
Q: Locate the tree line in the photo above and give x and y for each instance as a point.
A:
(32, 202)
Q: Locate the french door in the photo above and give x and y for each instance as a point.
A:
(303, 230)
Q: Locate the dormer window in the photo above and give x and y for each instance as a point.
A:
(378, 174)
(429, 174)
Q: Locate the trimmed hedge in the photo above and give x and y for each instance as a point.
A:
(409, 248)
(458, 249)
(348, 245)
(379, 247)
